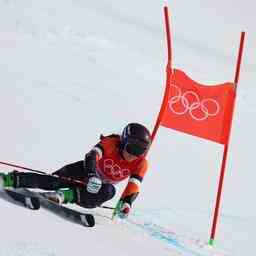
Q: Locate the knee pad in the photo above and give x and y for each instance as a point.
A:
(109, 190)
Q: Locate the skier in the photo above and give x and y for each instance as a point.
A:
(113, 159)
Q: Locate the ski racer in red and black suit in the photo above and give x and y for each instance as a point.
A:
(113, 159)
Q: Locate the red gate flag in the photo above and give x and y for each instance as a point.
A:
(199, 110)
(196, 109)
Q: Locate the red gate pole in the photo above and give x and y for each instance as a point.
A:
(239, 59)
(226, 147)
(168, 70)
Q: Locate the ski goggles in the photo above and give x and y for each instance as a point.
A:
(135, 147)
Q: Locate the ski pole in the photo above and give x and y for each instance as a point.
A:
(116, 209)
(21, 167)
(107, 207)
(70, 181)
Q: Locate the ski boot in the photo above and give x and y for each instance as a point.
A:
(61, 196)
(6, 180)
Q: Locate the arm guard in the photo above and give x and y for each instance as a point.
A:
(90, 162)
(132, 189)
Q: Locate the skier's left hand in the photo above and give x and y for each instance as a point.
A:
(124, 210)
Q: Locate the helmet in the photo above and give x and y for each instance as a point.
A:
(135, 139)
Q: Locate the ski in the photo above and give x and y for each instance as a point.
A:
(24, 199)
(84, 219)
(34, 200)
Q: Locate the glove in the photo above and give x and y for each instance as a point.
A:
(124, 210)
(94, 185)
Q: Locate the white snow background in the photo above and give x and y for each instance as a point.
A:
(73, 69)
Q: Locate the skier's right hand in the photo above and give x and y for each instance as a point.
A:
(94, 185)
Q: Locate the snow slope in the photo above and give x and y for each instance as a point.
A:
(69, 71)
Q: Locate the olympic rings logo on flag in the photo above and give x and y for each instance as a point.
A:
(189, 102)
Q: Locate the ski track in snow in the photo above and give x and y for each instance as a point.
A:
(183, 244)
